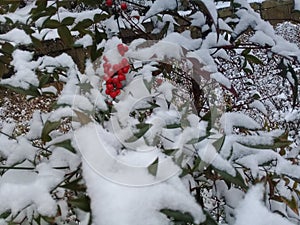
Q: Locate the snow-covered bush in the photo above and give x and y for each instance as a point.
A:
(164, 113)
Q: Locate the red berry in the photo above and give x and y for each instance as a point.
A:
(119, 85)
(108, 92)
(109, 3)
(123, 6)
(105, 59)
(109, 81)
(116, 67)
(120, 47)
(120, 72)
(124, 62)
(109, 87)
(106, 77)
(121, 77)
(106, 65)
(126, 69)
(118, 91)
(122, 53)
(114, 94)
(110, 73)
(115, 80)
(125, 47)
(137, 17)
(106, 70)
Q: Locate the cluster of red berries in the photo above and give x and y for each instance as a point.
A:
(115, 75)
(110, 3)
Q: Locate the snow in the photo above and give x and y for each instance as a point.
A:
(115, 170)
(210, 5)
(220, 78)
(115, 187)
(24, 75)
(17, 36)
(259, 106)
(62, 158)
(187, 43)
(223, 4)
(296, 5)
(292, 115)
(20, 15)
(19, 189)
(85, 41)
(198, 19)
(251, 210)
(261, 38)
(161, 5)
(36, 126)
(236, 119)
(166, 89)
(76, 101)
(16, 150)
(208, 153)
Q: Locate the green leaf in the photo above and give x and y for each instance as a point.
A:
(82, 117)
(247, 70)
(5, 214)
(173, 126)
(36, 42)
(48, 127)
(31, 91)
(253, 59)
(7, 48)
(294, 85)
(94, 52)
(75, 185)
(196, 140)
(44, 79)
(229, 179)
(67, 145)
(65, 35)
(82, 203)
(85, 87)
(178, 216)
(4, 59)
(99, 36)
(83, 24)
(152, 168)
(219, 143)
(14, 6)
(246, 51)
(143, 128)
(100, 17)
(52, 24)
(68, 21)
(210, 117)
(180, 159)
(170, 152)
(148, 84)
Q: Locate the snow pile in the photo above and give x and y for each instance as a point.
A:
(143, 202)
(251, 210)
(21, 189)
